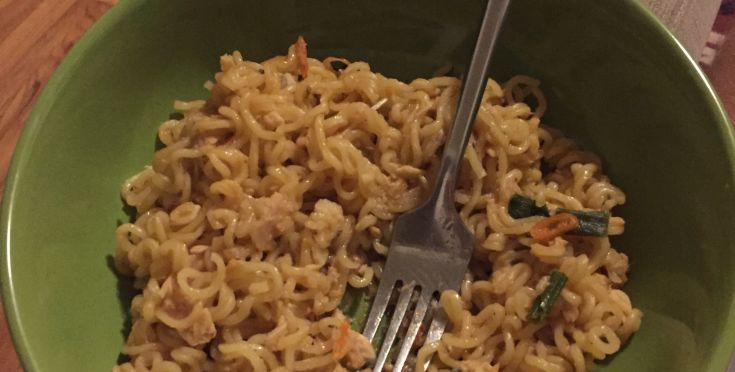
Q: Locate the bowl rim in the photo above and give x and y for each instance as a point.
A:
(723, 353)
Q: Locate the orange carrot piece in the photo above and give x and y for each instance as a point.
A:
(340, 344)
(551, 227)
(301, 55)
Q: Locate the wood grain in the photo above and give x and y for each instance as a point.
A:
(8, 359)
(34, 37)
(36, 34)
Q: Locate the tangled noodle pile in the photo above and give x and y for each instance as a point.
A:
(275, 196)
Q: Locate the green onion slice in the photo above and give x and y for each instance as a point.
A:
(521, 206)
(543, 303)
(591, 223)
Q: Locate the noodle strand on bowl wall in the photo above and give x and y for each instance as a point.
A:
(274, 197)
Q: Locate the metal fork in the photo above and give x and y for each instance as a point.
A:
(431, 247)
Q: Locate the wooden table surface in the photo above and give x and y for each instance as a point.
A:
(36, 34)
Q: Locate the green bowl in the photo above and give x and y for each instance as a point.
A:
(616, 81)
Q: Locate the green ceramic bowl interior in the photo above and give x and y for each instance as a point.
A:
(616, 81)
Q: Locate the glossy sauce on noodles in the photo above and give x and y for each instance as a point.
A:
(271, 198)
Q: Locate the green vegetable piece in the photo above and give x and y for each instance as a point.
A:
(380, 332)
(356, 305)
(520, 206)
(543, 303)
(591, 223)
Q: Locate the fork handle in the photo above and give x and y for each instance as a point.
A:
(473, 87)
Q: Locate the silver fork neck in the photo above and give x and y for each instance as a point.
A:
(473, 87)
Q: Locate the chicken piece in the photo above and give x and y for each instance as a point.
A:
(179, 306)
(263, 219)
(326, 221)
(201, 331)
(360, 351)
(175, 302)
(616, 264)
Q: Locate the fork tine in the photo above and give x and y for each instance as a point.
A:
(436, 329)
(437, 325)
(380, 302)
(404, 301)
(418, 319)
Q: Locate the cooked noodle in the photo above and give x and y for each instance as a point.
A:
(272, 197)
